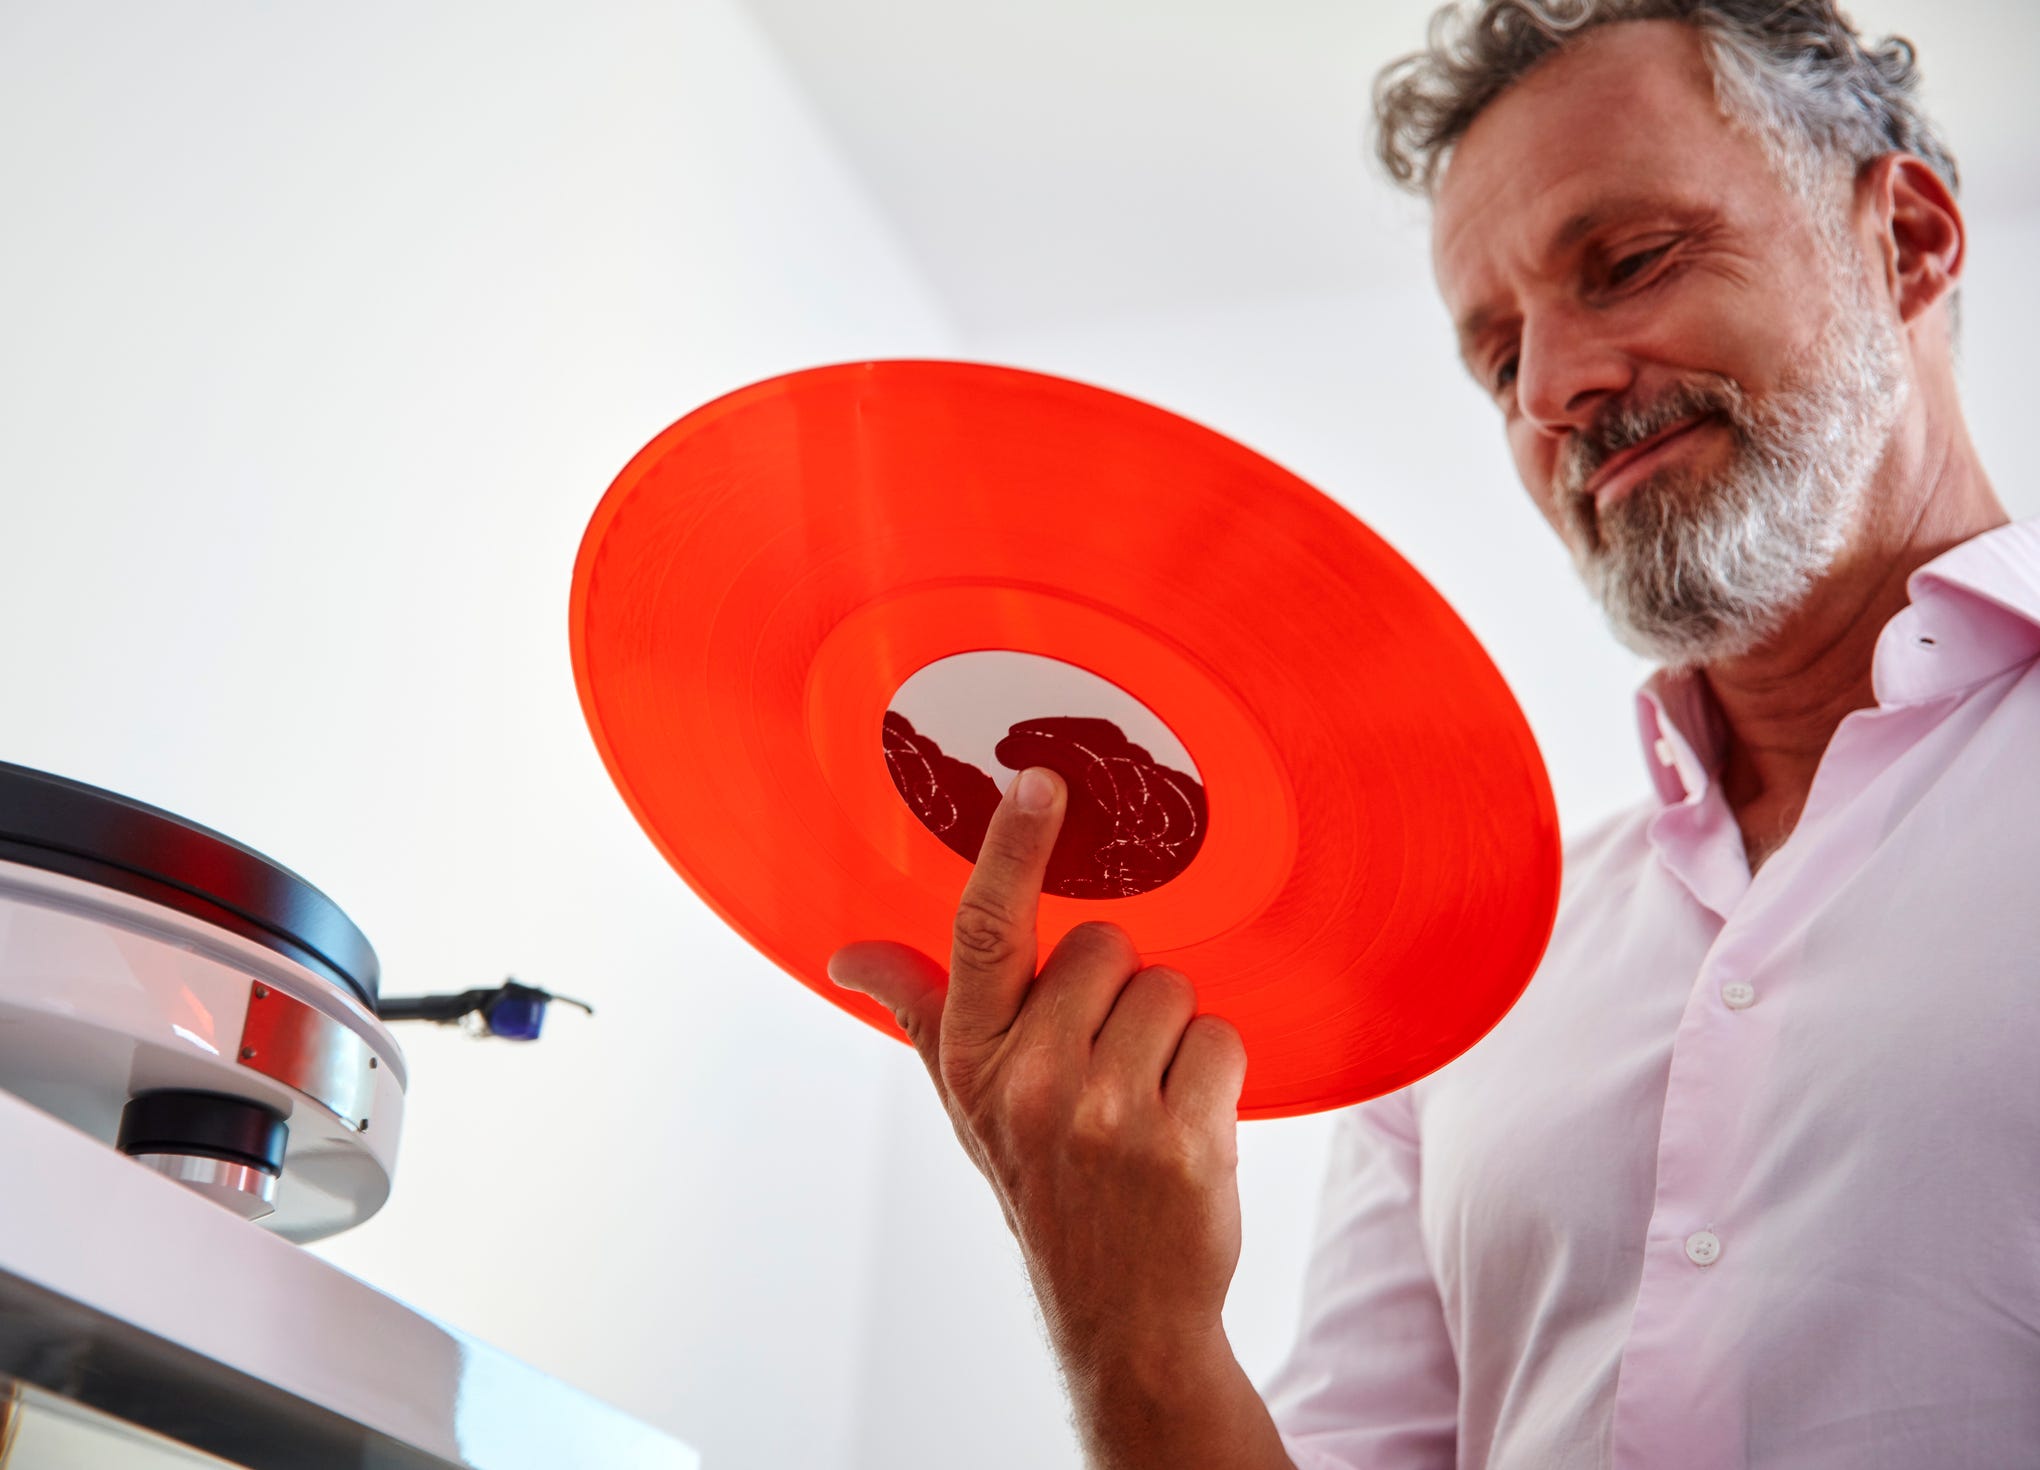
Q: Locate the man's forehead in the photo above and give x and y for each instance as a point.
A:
(1623, 122)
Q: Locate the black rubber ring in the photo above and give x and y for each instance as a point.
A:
(212, 1125)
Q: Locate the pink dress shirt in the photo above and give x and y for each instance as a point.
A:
(1751, 1174)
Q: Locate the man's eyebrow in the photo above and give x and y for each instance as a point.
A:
(1474, 327)
(1586, 222)
(1622, 207)
(1480, 320)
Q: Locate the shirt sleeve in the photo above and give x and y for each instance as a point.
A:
(1372, 1383)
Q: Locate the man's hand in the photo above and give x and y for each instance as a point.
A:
(1102, 1108)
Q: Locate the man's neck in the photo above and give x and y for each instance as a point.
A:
(1781, 702)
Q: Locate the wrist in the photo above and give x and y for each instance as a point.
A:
(1178, 1400)
(1155, 1364)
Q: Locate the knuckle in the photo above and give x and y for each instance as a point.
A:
(1017, 1130)
(957, 1075)
(1221, 1036)
(1099, 1120)
(1192, 1160)
(1028, 1116)
(1020, 1105)
(1098, 945)
(1032, 1095)
(1100, 940)
(1168, 987)
(984, 931)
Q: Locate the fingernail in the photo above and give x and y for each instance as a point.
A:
(1034, 791)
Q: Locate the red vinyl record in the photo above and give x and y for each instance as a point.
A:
(819, 623)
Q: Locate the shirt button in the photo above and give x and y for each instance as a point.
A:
(1738, 995)
(1703, 1247)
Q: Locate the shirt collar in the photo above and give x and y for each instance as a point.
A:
(1682, 733)
(1974, 614)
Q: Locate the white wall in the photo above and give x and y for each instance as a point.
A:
(1363, 396)
(322, 329)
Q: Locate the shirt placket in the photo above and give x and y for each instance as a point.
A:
(1671, 1408)
(1679, 1398)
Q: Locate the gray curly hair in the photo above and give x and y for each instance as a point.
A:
(1818, 99)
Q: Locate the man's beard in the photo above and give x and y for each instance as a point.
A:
(1695, 568)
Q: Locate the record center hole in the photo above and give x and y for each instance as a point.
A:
(958, 731)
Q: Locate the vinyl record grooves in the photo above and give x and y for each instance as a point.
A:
(1360, 872)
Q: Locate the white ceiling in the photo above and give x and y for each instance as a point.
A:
(1052, 159)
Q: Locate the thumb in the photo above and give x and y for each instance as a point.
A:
(904, 981)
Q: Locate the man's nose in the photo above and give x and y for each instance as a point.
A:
(1565, 372)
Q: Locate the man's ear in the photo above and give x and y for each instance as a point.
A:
(1918, 228)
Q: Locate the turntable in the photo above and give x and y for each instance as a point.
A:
(196, 1075)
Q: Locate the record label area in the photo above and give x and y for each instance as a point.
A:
(957, 732)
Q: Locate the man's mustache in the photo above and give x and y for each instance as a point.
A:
(1625, 423)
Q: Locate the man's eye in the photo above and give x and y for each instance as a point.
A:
(1630, 266)
(1504, 375)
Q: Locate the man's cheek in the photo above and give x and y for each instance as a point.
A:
(1537, 468)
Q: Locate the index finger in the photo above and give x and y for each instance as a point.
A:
(992, 960)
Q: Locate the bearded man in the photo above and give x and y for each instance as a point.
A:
(1751, 1174)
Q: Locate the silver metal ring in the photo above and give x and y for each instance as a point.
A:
(242, 1188)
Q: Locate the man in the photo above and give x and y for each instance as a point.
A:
(1751, 1175)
